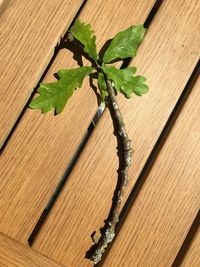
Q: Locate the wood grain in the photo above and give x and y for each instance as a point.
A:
(169, 200)
(13, 253)
(166, 57)
(3, 5)
(192, 257)
(42, 146)
(29, 33)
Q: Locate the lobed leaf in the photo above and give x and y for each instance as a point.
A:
(56, 94)
(124, 44)
(84, 34)
(125, 82)
(102, 87)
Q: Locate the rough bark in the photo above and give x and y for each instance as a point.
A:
(109, 229)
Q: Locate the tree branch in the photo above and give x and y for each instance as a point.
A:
(109, 229)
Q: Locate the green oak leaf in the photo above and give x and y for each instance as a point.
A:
(124, 44)
(102, 87)
(56, 94)
(84, 34)
(125, 82)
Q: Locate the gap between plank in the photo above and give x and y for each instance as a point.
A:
(56, 50)
(153, 155)
(187, 242)
(147, 23)
(62, 181)
(85, 138)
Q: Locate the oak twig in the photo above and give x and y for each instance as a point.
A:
(109, 229)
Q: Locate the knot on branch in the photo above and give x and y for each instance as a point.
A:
(101, 245)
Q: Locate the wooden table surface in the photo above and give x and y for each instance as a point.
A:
(48, 208)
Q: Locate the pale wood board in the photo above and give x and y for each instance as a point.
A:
(3, 4)
(42, 145)
(169, 200)
(192, 257)
(13, 253)
(29, 32)
(166, 58)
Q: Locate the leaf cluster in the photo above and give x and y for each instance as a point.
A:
(124, 45)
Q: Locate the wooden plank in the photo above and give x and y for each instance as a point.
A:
(169, 200)
(42, 146)
(13, 253)
(3, 4)
(192, 257)
(166, 58)
(29, 33)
